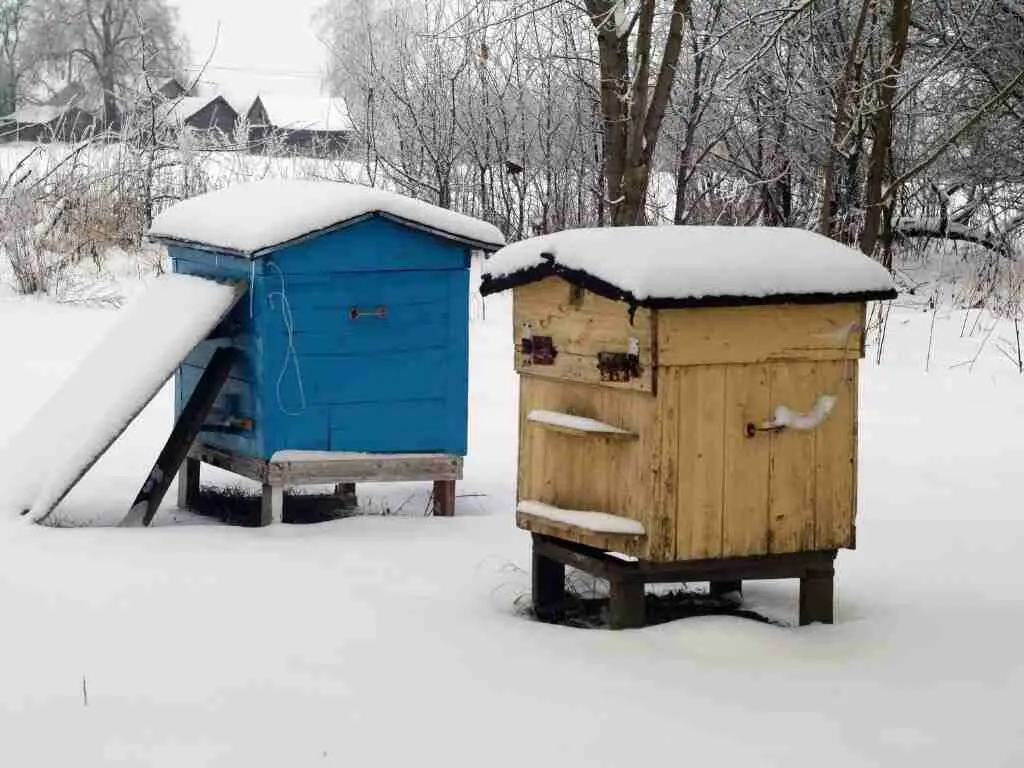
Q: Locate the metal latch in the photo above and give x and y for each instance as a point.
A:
(380, 313)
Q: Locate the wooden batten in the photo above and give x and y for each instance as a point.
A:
(590, 337)
(760, 334)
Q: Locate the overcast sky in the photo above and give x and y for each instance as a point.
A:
(266, 45)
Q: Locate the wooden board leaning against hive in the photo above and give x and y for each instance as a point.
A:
(688, 394)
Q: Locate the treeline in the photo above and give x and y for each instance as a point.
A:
(873, 121)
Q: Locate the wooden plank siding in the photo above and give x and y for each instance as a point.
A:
(702, 486)
(617, 477)
(581, 329)
(760, 334)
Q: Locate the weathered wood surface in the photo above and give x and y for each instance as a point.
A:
(815, 570)
(702, 485)
(547, 586)
(443, 498)
(186, 430)
(580, 331)
(626, 608)
(253, 469)
(613, 476)
(817, 596)
(364, 468)
(600, 563)
(760, 334)
(627, 544)
(732, 494)
(701, 465)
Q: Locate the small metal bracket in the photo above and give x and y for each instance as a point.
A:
(380, 313)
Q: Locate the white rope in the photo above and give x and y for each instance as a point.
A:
(290, 354)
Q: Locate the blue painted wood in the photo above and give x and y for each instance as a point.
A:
(371, 427)
(374, 245)
(393, 384)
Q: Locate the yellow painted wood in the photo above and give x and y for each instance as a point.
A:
(627, 544)
(700, 462)
(835, 459)
(666, 490)
(760, 334)
(579, 332)
(613, 476)
(791, 485)
(745, 506)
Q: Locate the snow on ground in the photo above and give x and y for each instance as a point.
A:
(397, 640)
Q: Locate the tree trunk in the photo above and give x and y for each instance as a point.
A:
(631, 112)
(879, 168)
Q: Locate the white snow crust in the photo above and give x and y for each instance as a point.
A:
(598, 522)
(298, 457)
(581, 423)
(256, 216)
(787, 417)
(110, 387)
(693, 262)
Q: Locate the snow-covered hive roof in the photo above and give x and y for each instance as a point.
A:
(693, 266)
(253, 219)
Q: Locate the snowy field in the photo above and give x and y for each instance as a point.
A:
(396, 639)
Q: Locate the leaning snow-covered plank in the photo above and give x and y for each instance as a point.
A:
(301, 467)
(594, 529)
(114, 383)
(578, 425)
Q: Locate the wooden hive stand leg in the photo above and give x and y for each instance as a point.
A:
(548, 582)
(188, 484)
(346, 493)
(272, 504)
(626, 605)
(444, 498)
(722, 588)
(816, 596)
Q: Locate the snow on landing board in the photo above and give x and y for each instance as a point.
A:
(698, 262)
(572, 423)
(253, 218)
(110, 388)
(596, 522)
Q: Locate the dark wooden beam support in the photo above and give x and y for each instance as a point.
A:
(346, 493)
(816, 597)
(548, 582)
(723, 588)
(626, 608)
(185, 431)
(444, 498)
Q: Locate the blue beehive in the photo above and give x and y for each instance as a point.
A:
(354, 330)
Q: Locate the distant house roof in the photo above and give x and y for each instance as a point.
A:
(181, 110)
(316, 113)
(253, 219)
(693, 266)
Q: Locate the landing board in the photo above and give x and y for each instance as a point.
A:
(111, 386)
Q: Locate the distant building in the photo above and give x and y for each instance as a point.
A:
(172, 89)
(317, 126)
(47, 122)
(213, 117)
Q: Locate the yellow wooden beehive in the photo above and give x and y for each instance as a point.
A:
(688, 393)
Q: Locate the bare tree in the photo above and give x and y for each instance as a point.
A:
(102, 43)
